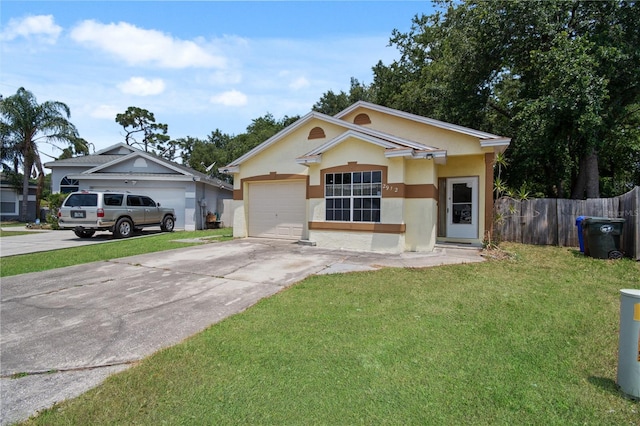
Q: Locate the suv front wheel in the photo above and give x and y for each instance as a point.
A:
(123, 229)
(168, 224)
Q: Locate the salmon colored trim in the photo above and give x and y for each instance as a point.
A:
(315, 191)
(427, 190)
(382, 228)
(391, 190)
(489, 159)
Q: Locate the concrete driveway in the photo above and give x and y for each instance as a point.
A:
(68, 329)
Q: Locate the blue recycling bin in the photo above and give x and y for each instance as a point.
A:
(579, 220)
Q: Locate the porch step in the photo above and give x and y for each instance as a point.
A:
(468, 246)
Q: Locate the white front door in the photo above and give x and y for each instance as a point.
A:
(462, 207)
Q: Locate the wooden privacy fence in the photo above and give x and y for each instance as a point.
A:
(551, 221)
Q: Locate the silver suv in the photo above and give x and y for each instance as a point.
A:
(118, 212)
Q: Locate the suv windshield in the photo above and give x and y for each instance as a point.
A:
(86, 200)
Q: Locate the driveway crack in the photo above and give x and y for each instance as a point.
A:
(22, 374)
(53, 291)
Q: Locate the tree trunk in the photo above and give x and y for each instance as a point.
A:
(593, 175)
(588, 180)
(25, 193)
(40, 188)
(39, 194)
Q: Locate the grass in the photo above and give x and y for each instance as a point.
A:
(19, 229)
(531, 340)
(36, 262)
(12, 223)
(12, 233)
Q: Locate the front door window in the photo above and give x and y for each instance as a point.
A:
(462, 207)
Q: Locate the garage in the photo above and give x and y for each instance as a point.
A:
(124, 168)
(277, 209)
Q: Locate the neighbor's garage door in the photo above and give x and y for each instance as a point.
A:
(277, 209)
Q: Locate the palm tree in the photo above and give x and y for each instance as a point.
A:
(23, 125)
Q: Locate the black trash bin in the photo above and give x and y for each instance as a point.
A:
(602, 237)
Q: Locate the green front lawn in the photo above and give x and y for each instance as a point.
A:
(12, 233)
(532, 340)
(18, 228)
(36, 262)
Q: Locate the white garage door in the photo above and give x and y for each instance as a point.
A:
(277, 209)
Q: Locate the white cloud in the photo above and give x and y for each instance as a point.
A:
(41, 27)
(230, 98)
(139, 46)
(225, 78)
(105, 111)
(142, 87)
(299, 83)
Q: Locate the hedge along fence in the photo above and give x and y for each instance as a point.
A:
(552, 221)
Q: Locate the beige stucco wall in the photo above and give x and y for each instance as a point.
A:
(354, 150)
(420, 171)
(421, 216)
(359, 241)
(455, 143)
(239, 219)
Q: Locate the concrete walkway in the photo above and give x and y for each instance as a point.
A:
(88, 321)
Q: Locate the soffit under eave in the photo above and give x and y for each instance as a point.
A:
(497, 145)
(120, 176)
(385, 143)
(363, 105)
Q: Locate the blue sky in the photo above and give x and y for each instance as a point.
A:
(198, 66)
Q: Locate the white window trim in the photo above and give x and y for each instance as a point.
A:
(353, 197)
(16, 200)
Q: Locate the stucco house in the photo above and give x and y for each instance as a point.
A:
(11, 201)
(369, 178)
(124, 168)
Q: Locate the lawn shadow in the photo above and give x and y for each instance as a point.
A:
(610, 386)
(577, 253)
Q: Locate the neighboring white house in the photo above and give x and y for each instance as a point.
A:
(123, 168)
(11, 201)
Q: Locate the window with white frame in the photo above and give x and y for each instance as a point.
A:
(68, 186)
(353, 196)
(9, 203)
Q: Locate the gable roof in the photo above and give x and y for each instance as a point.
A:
(483, 136)
(140, 154)
(96, 164)
(395, 146)
(118, 149)
(103, 156)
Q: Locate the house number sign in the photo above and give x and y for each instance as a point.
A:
(388, 187)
